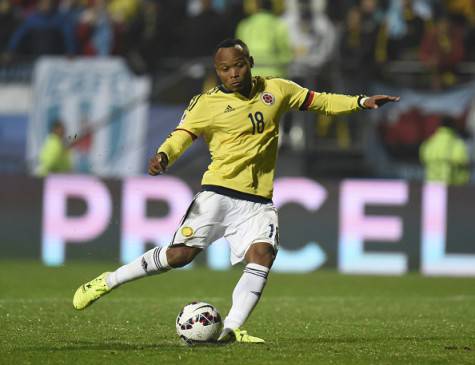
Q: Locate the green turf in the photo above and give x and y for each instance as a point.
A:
(318, 318)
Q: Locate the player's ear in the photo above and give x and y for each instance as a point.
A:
(251, 61)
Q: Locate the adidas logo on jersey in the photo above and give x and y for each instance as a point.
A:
(228, 109)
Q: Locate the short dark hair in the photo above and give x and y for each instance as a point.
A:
(266, 5)
(447, 121)
(230, 43)
(56, 124)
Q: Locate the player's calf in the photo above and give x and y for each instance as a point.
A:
(152, 262)
(181, 255)
(155, 261)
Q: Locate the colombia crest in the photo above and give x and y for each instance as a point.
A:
(267, 98)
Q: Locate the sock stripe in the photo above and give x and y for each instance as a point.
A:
(256, 270)
(156, 259)
(246, 294)
(261, 274)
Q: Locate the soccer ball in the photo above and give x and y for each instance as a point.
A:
(198, 322)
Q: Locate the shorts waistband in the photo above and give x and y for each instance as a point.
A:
(236, 194)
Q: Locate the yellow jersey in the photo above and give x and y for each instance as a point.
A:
(242, 133)
(55, 157)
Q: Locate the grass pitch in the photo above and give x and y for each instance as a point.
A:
(317, 318)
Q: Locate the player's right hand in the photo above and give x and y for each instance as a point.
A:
(157, 164)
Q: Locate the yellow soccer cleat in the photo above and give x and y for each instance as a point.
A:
(91, 291)
(228, 335)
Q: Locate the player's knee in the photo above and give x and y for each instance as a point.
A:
(261, 253)
(181, 255)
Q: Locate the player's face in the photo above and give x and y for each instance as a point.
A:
(233, 68)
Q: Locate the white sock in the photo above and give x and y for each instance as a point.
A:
(151, 262)
(246, 294)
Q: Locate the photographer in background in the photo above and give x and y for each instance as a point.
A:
(55, 156)
(445, 155)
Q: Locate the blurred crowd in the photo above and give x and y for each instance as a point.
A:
(361, 36)
(142, 31)
(343, 46)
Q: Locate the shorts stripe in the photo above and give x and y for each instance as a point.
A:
(187, 213)
(271, 230)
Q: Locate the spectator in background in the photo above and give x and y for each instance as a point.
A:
(122, 11)
(152, 35)
(55, 156)
(464, 12)
(313, 41)
(337, 9)
(469, 41)
(8, 23)
(142, 44)
(268, 39)
(95, 30)
(232, 15)
(45, 32)
(441, 50)
(403, 30)
(174, 17)
(357, 57)
(357, 68)
(203, 31)
(371, 16)
(313, 38)
(71, 10)
(464, 8)
(122, 14)
(445, 156)
(470, 125)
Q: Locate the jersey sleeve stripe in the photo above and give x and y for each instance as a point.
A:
(308, 100)
(193, 102)
(192, 135)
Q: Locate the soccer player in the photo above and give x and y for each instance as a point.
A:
(239, 120)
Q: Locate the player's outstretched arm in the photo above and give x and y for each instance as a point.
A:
(174, 146)
(375, 101)
(157, 164)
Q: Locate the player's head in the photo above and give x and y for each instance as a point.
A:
(233, 64)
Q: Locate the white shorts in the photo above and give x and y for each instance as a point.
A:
(212, 216)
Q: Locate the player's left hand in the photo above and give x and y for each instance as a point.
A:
(375, 101)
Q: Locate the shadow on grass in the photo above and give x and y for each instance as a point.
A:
(99, 346)
(170, 346)
(113, 346)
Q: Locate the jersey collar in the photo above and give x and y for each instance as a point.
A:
(253, 90)
(224, 90)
